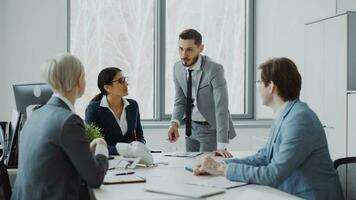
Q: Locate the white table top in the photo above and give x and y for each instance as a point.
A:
(175, 172)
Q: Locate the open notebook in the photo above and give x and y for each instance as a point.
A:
(184, 190)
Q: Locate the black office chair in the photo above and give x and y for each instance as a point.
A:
(347, 174)
(342, 161)
(5, 185)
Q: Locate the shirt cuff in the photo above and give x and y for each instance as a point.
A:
(222, 146)
(102, 150)
(176, 121)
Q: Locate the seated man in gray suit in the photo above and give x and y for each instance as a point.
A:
(296, 157)
(201, 95)
(54, 152)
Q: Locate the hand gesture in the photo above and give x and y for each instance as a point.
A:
(173, 133)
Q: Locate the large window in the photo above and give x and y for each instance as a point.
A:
(222, 25)
(115, 33)
(141, 38)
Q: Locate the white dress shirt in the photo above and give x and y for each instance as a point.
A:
(196, 115)
(122, 122)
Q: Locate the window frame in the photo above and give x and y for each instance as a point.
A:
(160, 56)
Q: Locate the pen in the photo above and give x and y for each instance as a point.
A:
(124, 173)
(189, 169)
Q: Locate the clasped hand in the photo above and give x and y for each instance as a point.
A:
(95, 142)
(208, 165)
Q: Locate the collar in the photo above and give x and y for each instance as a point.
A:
(104, 102)
(65, 100)
(197, 65)
(280, 110)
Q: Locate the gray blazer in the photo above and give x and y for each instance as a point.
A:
(54, 155)
(295, 159)
(211, 97)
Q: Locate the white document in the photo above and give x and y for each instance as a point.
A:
(217, 182)
(184, 190)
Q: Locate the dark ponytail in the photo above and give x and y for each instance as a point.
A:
(105, 77)
(97, 97)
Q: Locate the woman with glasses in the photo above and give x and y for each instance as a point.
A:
(116, 116)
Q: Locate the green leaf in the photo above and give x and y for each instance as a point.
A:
(93, 131)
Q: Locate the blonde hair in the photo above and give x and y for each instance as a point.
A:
(63, 72)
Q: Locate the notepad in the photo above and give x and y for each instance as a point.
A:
(184, 190)
(183, 154)
(132, 178)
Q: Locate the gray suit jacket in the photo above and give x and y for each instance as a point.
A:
(54, 155)
(296, 158)
(212, 97)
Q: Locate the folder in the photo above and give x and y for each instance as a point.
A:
(131, 178)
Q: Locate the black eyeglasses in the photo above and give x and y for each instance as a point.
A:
(121, 80)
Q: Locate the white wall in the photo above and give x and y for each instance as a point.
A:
(346, 5)
(31, 32)
(279, 30)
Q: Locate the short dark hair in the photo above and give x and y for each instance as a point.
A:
(284, 74)
(189, 34)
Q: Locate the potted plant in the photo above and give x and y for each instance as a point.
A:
(93, 131)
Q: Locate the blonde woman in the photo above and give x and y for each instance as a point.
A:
(54, 153)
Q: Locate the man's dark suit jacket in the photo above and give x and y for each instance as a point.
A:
(104, 119)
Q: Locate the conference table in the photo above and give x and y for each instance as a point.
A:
(171, 171)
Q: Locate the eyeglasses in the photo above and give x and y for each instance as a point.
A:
(121, 80)
(258, 82)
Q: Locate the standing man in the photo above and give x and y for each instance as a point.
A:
(201, 97)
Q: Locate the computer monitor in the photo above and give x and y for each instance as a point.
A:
(27, 94)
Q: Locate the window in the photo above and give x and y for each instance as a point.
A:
(115, 33)
(141, 38)
(222, 25)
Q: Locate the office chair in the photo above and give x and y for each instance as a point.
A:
(5, 185)
(347, 175)
(342, 161)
